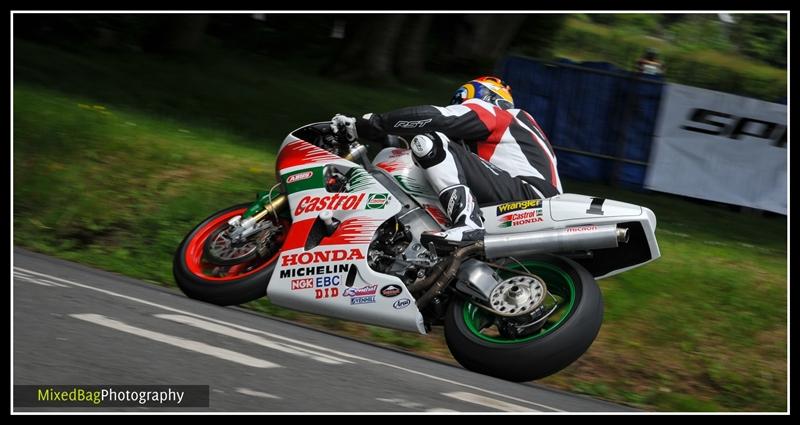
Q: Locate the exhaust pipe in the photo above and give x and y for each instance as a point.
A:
(559, 240)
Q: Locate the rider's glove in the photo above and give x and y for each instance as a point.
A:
(346, 124)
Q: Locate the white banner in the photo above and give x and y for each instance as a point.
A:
(720, 147)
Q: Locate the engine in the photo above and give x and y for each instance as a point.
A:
(395, 251)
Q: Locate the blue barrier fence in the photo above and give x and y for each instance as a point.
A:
(600, 119)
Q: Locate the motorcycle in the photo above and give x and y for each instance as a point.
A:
(339, 236)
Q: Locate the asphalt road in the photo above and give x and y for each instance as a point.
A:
(80, 326)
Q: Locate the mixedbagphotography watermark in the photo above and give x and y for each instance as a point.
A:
(111, 396)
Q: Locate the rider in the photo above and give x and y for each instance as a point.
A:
(478, 150)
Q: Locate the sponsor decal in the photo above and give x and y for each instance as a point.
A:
(390, 291)
(577, 229)
(412, 124)
(360, 292)
(303, 175)
(302, 284)
(451, 203)
(518, 205)
(326, 293)
(305, 179)
(321, 257)
(733, 127)
(314, 270)
(401, 303)
(362, 300)
(337, 201)
(362, 295)
(376, 201)
(520, 218)
(316, 282)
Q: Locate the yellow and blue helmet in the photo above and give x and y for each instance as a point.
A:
(490, 89)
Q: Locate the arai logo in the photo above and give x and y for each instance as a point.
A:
(401, 303)
(300, 176)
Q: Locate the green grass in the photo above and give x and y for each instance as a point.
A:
(113, 166)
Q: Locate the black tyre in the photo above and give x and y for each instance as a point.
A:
(221, 283)
(563, 338)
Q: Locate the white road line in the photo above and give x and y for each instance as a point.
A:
(317, 347)
(54, 283)
(255, 339)
(487, 402)
(440, 409)
(33, 279)
(255, 393)
(186, 344)
(402, 403)
(28, 279)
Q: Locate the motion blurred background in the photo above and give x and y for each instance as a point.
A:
(128, 129)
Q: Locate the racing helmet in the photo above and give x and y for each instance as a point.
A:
(490, 89)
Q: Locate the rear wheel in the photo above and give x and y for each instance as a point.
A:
(208, 267)
(494, 345)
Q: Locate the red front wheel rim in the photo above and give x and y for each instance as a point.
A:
(201, 268)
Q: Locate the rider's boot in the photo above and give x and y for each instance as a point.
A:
(467, 223)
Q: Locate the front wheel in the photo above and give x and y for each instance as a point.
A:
(240, 275)
(482, 342)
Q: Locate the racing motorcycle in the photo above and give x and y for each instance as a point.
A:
(340, 236)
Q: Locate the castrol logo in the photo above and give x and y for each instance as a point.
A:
(337, 201)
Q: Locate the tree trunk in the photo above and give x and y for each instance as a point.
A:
(379, 54)
(504, 29)
(368, 50)
(480, 40)
(179, 33)
(412, 48)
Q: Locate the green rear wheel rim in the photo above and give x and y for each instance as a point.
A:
(558, 282)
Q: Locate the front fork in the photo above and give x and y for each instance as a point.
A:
(264, 205)
(245, 224)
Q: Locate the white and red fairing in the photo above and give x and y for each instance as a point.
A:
(400, 164)
(319, 274)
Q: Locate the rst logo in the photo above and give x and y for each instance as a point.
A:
(322, 257)
(337, 201)
(733, 127)
(412, 124)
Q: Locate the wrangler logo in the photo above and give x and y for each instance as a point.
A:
(519, 205)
